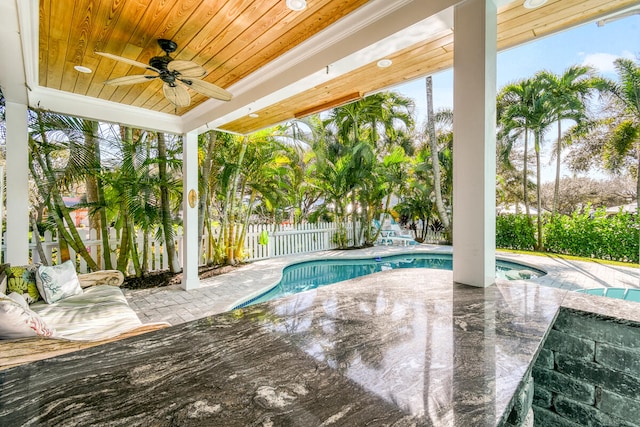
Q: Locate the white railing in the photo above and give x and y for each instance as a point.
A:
(283, 240)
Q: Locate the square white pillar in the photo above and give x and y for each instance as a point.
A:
(190, 244)
(17, 237)
(474, 144)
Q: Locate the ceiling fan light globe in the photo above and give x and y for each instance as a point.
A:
(82, 69)
(532, 4)
(297, 5)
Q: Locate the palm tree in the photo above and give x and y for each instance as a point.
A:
(165, 205)
(95, 191)
(569, 93)
(525, 107)
(514, 105)
(430, 131)
(207, 144)
(54, 133)
(364, 132)
(416, 205)
(624, 140)
(299, 137)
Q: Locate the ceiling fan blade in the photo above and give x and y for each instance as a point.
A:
(207, 89)
(126, 60)
(186, 68)
(130, 80)
(178, 95)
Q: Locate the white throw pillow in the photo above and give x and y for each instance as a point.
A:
(58, 282)
(18, 321)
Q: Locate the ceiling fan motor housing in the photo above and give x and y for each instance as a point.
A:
(160, 64)
(167, 45)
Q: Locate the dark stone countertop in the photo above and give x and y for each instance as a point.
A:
(398, 348)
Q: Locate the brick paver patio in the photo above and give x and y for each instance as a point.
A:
(221, 293)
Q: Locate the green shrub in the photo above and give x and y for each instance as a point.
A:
(594, 235)
(515, 232)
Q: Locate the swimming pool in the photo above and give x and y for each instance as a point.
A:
(618, 293)
(312, 274)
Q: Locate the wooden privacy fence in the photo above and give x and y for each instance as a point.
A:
(281, 240)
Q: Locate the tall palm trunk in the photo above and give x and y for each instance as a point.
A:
(525, 174)
(66, 229)
(435, 158)
(35, 238)
(232, 205)
(70, 234)
(207, 164)
(354, 218)
(133, 247)
(245, 225)
(125, 241)
(538, 186)
(556, 190)
(126, 238)
(95, 194)
(165, 205)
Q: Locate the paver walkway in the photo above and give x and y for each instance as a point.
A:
(221, 293)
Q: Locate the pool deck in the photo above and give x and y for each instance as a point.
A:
(220, 293)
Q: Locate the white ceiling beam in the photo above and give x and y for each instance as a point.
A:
(103, 111)
(370, 24)
(12, 71)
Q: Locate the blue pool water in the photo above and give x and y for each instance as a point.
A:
(310, 275)
(619, 293)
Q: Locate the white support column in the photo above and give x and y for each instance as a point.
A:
(190, 244)
(17, 237)
(474, 146)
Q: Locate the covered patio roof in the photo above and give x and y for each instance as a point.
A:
(278, 64)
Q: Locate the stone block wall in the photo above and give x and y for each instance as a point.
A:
(521, 414)
(588, 373)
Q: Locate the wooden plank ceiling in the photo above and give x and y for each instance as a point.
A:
(229, 38)
(516, 25)
(233, 38)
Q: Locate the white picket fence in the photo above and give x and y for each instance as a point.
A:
(283, 240)
(287, 239)
(156, 251)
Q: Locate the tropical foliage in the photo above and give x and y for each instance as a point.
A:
(595, 235)
(352, 164)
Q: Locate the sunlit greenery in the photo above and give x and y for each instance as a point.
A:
(349, 165)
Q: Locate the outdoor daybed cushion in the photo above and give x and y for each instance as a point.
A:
(98, 313)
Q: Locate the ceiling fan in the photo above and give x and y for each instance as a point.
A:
(177, 75)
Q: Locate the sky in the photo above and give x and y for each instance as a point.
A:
(587, 44)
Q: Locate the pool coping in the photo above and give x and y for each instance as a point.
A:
(249, 300)
(222, 292)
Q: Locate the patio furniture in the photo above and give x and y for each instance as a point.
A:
(392, 234)
(97, 314)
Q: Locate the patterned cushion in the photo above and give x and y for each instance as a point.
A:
(18, 321)
(58, 282)
(22, 280)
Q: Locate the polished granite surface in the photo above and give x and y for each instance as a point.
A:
(399, 348)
